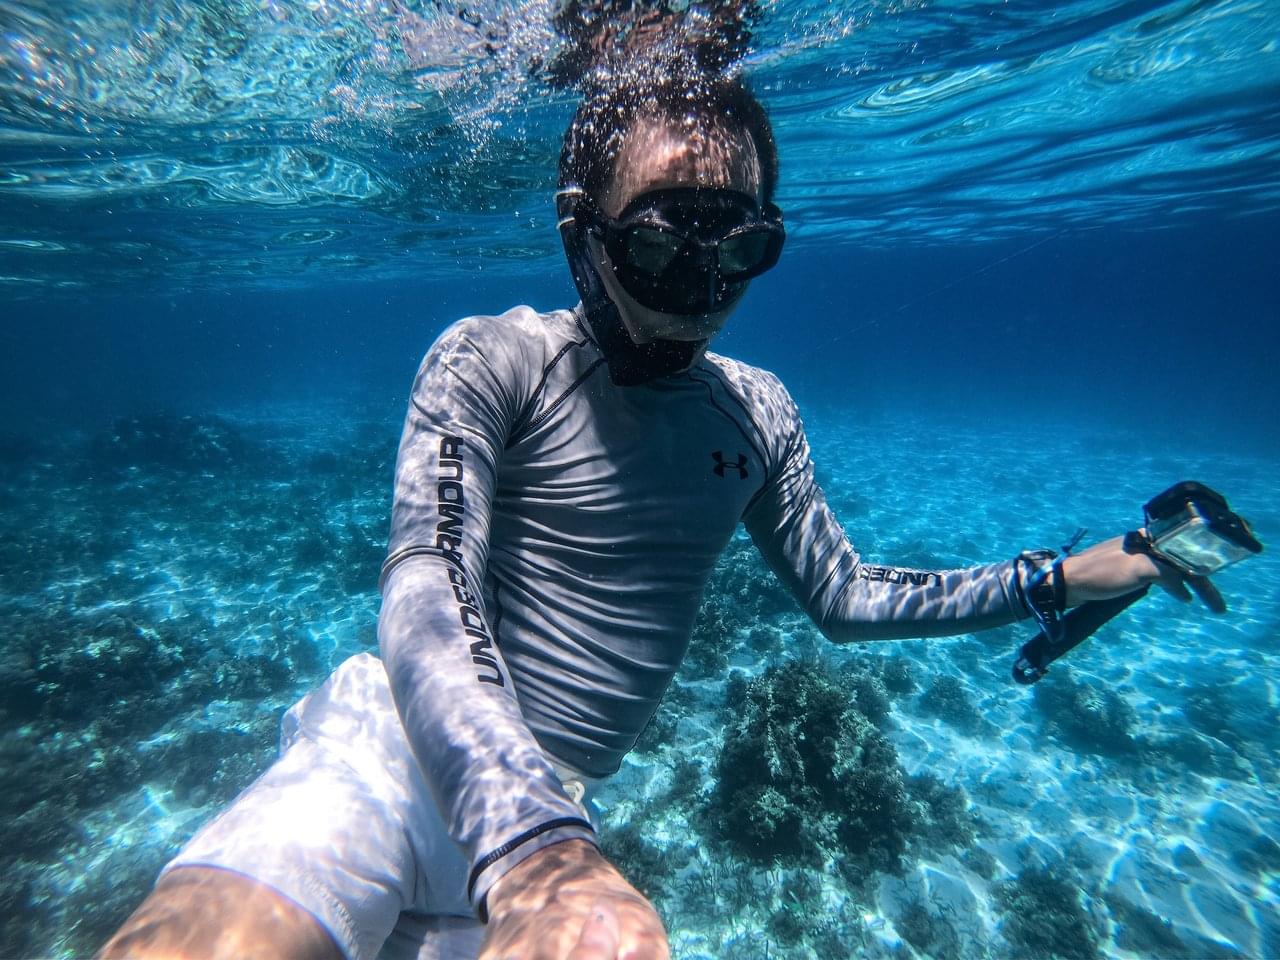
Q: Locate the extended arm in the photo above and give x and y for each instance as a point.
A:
(849, 599)
(496, 791)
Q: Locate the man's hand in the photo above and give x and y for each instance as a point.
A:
(1107, 570)
(566, 902)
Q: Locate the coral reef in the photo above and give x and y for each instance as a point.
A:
(166, 590)
(948, 700)
(897, 675)
(645, 864)
(1084, 717)
(805, 775)
(1044, 917)
(929, 932)
(945, 820)
(741, 595)
(866, 687)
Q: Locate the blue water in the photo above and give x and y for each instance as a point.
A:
(1031, 279)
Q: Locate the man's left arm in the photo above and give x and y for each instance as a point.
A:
(850, 599)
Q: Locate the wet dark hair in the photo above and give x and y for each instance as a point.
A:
(714, 104)
(638, 60)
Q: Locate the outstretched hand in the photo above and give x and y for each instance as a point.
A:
(1108, 570)
(566, 902)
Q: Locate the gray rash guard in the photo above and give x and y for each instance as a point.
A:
(551, 537)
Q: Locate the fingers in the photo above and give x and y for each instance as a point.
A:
(1183, 587)
(1206, 591)
(599, 940)
(1175, 587)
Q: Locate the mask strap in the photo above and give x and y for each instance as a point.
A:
(567, 198)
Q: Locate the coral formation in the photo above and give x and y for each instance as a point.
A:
(161, 608)
(945, 819)
(948, 700)
(897, 675)
(741, 595)
(644, 863)
(1044, 917)
(804, 775)
(866, 687)
(930, 933)
(1084, 717)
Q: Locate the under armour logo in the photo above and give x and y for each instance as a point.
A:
(721, 465)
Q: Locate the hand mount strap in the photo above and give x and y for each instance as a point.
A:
(1061, 632)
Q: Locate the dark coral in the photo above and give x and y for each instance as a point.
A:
(130, 569)
(930, 933)
(645, 865)
(948, 700)
(897, 675)
(804, 774)
(1084, 717)
(1044, 916)
(741, 595)
(946, 819)
(867, 689)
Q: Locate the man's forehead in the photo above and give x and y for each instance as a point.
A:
(681, 153)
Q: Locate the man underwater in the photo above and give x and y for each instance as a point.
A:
(565, 483)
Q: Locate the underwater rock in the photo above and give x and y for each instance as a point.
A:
(1085, 718)
(1044, 917)
(803, 774)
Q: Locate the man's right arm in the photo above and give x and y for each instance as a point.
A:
(499, 797)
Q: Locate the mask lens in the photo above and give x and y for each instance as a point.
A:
(743, 252)
(691, 251)
(652, 250)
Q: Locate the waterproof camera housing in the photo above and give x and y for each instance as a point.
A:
(1193, 529)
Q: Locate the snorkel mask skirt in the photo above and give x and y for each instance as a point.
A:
(630, 363)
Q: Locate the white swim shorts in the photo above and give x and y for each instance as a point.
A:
(343, 825)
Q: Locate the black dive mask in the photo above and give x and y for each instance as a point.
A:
(687, 250)
(630, 363)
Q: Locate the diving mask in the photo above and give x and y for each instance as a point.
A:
(685, 250)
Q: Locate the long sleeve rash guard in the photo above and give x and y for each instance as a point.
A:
(551, 537)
